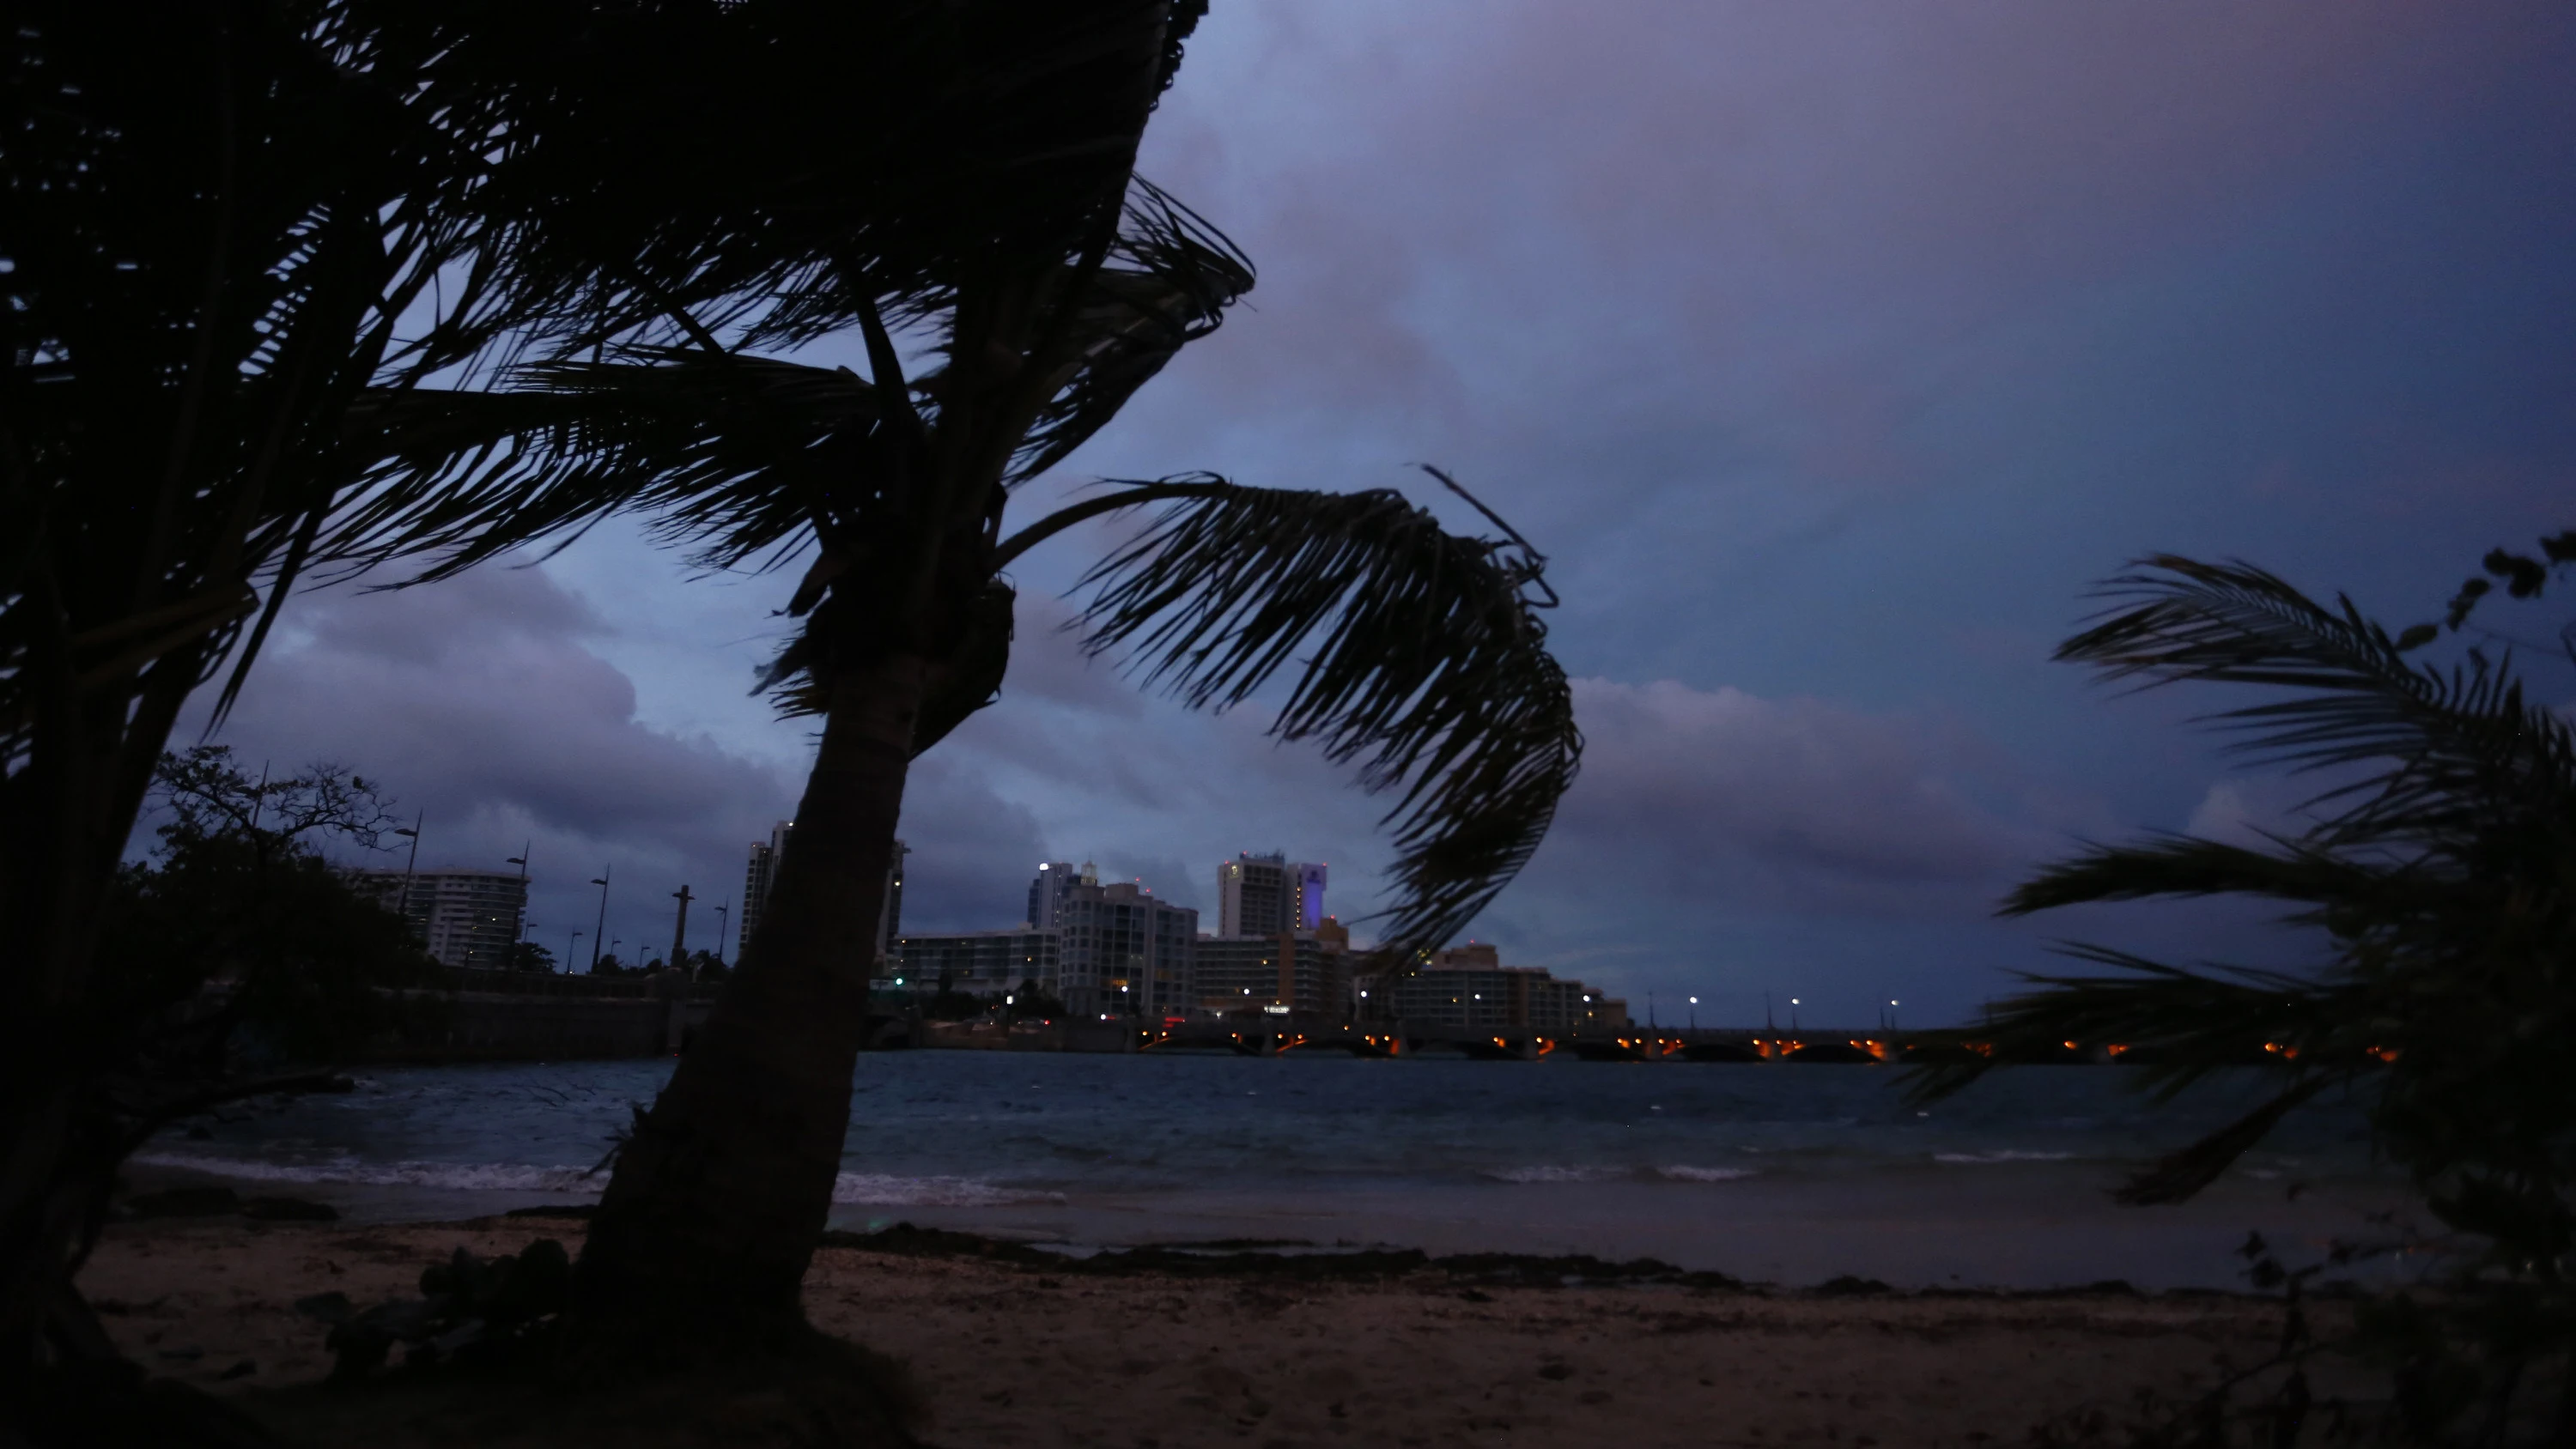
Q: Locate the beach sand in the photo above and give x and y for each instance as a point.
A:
(1009, 1354)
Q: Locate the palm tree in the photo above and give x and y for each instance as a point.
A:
(1416, 656)
(2440, 868)
(225, 227)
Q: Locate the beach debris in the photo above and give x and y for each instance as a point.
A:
(471, 1310)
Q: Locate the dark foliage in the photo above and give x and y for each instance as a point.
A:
(238, 943)
(2438, 866)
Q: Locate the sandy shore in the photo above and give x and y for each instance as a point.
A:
(1020, 1355)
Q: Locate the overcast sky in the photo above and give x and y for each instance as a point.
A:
(1829, 349)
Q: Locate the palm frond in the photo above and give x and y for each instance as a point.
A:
(2449, 746)
(737, 454)
(1169, 278)
(1415, 656)
(2182, 865)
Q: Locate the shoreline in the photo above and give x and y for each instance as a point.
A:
(2009, 1227)
(1273, 1343)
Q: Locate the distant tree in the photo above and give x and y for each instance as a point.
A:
(2439, 871)
(529, 956)
(236, 936)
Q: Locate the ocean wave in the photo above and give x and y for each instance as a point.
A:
(1707, 1174)
(873, 1189)
(853, 1188)
(1546, 1173)
(463, 1176)
(2007, 1155)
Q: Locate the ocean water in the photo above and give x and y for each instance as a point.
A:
(1773, 1173)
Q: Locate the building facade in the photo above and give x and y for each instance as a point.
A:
(1047, 890)
(980, 963)
(1123, 953)
(1267, 895)
(466, 918)
(761, 873)
(1293, 971)
(1495, 998)
(756, 880)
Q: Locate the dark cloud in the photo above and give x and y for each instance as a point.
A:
(1728, 799)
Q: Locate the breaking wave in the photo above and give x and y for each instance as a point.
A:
(464, 1176)
(1707, 1174)
(852, 1188)
(870, 1189)
(1553, 1173)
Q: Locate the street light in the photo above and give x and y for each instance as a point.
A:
(1694, 1013)
(724, 923)
(1793, 1013)
(569, 947)
(600, 880)
(1891, 1015)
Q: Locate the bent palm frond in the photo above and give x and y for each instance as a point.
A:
(2450, 745)
(1167, 282)
(738, 453)
(1416, 657)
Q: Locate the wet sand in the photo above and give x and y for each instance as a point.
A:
(1012, 1354)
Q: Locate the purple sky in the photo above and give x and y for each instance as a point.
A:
(1830, 349)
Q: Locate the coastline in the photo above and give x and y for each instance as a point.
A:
(1015, 1346)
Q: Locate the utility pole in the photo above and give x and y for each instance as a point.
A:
(601, 880)
(680, 932)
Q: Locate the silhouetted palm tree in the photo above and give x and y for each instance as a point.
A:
(2441, 869)
(226, 223)
(1416, 655)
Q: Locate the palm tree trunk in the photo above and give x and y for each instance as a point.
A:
(719, 1196)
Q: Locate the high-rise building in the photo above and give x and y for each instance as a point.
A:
(1053, 879)
(756, 880)
(1265, 895)
(463, 917)
(1122, 951)
(761, 875)
(890, 917)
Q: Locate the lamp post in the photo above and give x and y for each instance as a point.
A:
(569, 947)
(613, 943)
(408, 864)
(1891, 1015)
(1694, 1013)
(724, 922)
(525, 925)
(600, 880)
(1793, 1014)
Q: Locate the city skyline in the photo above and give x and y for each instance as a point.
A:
(2280, 283)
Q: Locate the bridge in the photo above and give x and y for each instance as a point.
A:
(1276, 1035)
